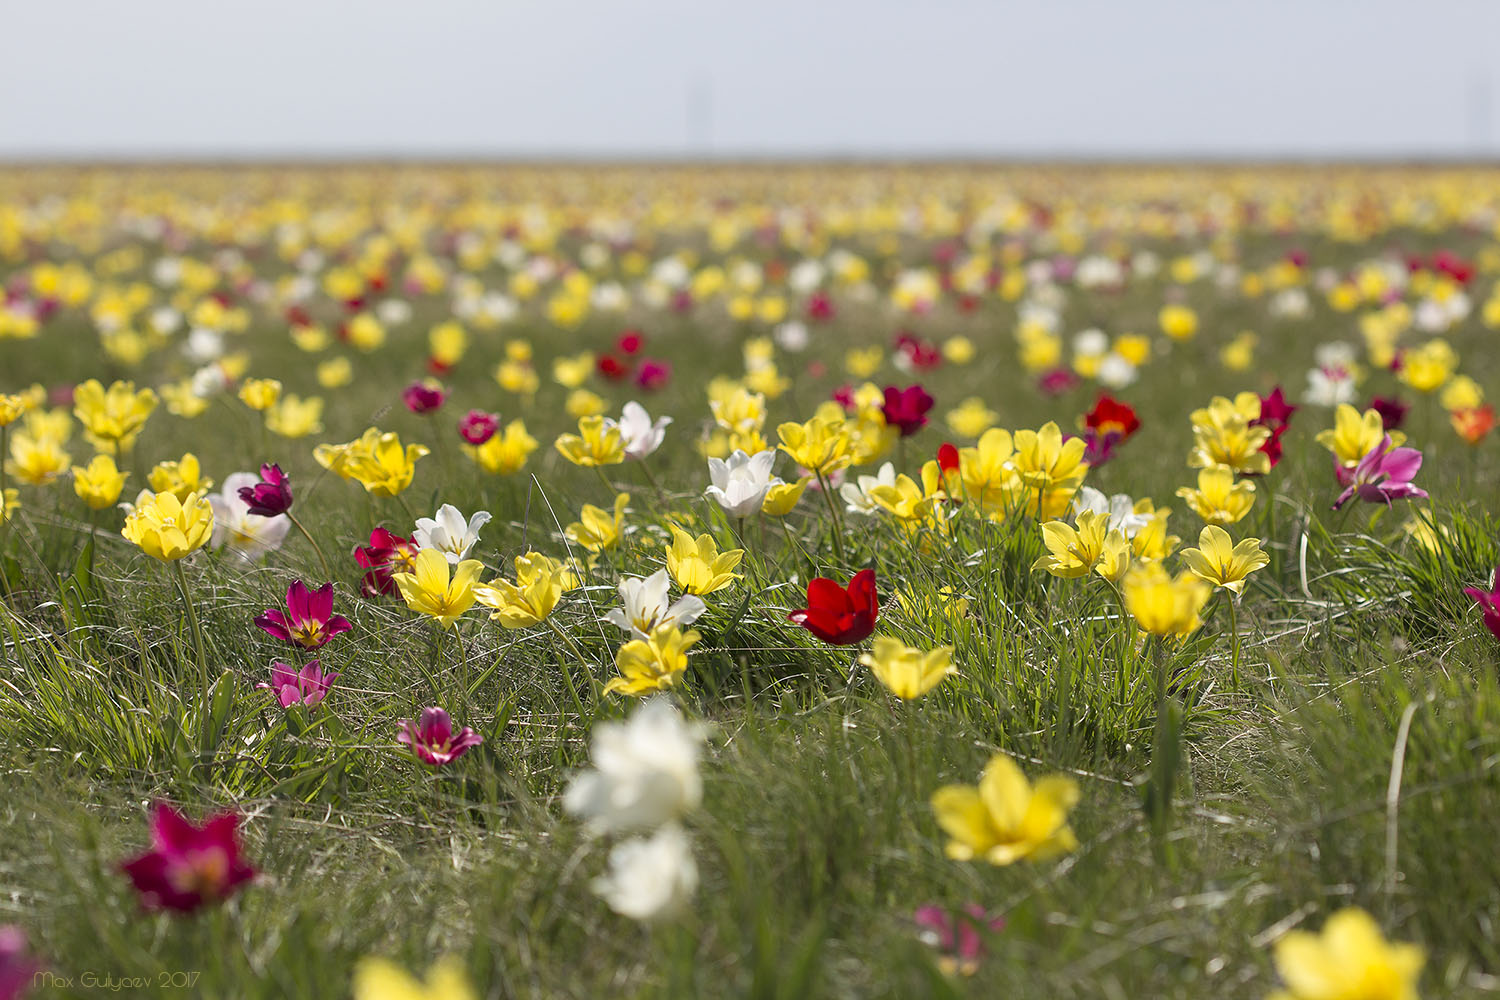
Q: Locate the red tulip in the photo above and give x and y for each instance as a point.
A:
(188, 865)
(838, 615)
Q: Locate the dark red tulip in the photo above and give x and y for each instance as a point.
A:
(477, 426)
(906, 409)
(840, 616)
(386, 554)
(272, 495)
(188, 866)
(1110, 416)
(423, 397)
(1392, 411)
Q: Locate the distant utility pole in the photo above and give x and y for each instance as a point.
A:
(1479, 113)
(700, 115)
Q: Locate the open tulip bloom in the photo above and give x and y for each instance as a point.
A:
(433, 740)
(449, 533)
(308, 686)
(1384, 474)
(645, 606)
(188, 866)
(740, 484)
(308, 621)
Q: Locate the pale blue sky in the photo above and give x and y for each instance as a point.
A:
(82, 78)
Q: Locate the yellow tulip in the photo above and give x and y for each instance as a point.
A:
(179, 478)
(166, 528)
(99, 483)
(1164, 605)
(540, 582)
(820, 446)
(36, 461)
(1221, 562)
(598, 442)
(381, 979)
(782, 497)
(294, 417)
(112, 419)
(1348, 960)
(653, 663)
(697, 564)
(260, 393)
(1006, 819)
(505, 452)
(428, 590)
(905, 671)
(1089, 548)
(597, 530)
(1050, 470)
(1219, 499)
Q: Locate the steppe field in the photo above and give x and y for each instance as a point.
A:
(768, 581)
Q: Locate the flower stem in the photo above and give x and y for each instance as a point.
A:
(833, 512)
(192, 616)
(566, 672)
(609, 486)
(1234, 640)
(463, 671)
(327, 573)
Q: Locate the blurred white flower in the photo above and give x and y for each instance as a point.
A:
(792, 336)
(1120, 508)
(644, 774)
(650, 878)
(247, 535)
(393, 312)
(1329, 386)
(1115, 371)
(1090, 343)
(856, 495)
(203, 345)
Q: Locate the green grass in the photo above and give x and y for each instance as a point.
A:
(815, 840)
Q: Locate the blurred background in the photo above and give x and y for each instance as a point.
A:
(90, 79)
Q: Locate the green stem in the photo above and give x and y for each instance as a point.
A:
(192, 616)
(463, 670)
(327, 573)
(568, 673)
(833, 512)
(605, 479)
(1234, 639)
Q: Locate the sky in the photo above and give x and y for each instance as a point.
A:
(274, 79)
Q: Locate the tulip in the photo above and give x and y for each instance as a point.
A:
(427, 589)
(906, 409)
(504, 454)
(308, 686)
(540, 582)
(248, 534)
(112, 420)
(1384, 474)
(1349, 959)
(308, 621)
(386, 555)
(18, 967)
(432, 738)
(260, 393)
(644, 774)
(382, 979)
(180, 478)
(1007, 819)
(1218, 498)
(697, 564)
(1489, 603)
(188, 866)
(740, 484)
(905, 671)
(477, 426)
(423, 397)
(449, 533)
(650, 878)
(167, 528)
(957, 936)
(598, 530)
(1163, 605)
(653, 663)
(270, 495)
(597, 443)
(839, 615)
(640, 435)
(99, 483)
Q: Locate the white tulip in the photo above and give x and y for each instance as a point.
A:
(640, 435)
(248, 535)
(646, 606)
(650, 878)
(449, 533)
(740, 484)
(645, 771)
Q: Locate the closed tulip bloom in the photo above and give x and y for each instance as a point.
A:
(166, 528)
(1219, 499)
(697, 564)
(423, 397)
(540, 582)
(1049, 468)
(99, 483)
(429, 590)
(839, 615)
(906, 409)
(905, 671)
(653, 663)
(598, 442)
(268, 496)
(260, 393)
(112, 420)
(740, 484)
(1006, 819)
(1348, 960)
(506, 453)
(781, 498)
(478, 426)
(1221, 562)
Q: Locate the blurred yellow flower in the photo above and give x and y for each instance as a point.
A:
(598, 530)
(294, 417)
(260, 393)
(112, 420)
(1164, 605)
(907, 672)
(653, 663)
(598, 442)
(1348, 960)
(1006, 819)
(506, 452)
(99, 483)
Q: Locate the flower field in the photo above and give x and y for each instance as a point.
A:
(776, 582)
